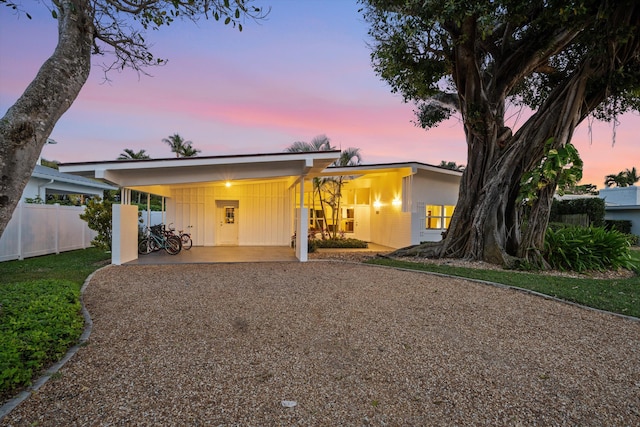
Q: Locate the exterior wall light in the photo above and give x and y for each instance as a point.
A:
(227, 184)
(396, 202)
(377, 205)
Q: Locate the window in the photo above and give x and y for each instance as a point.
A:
(438, 216)
(316, 219)
(348, 217)
(229, 216)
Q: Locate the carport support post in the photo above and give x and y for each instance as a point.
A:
(302, 232)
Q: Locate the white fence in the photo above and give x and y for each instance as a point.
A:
(156, 217)
(37, 229)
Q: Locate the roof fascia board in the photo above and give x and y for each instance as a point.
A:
(377, 168)
(200, 161)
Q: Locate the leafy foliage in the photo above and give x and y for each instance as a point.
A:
(587, 248)
(560, 166)
(592, 206)
(99, 217)
(621, 225)
(624, 178)
(129, 154)
(180, 147)
(451, 165)
(39, 311)
(566, 61)
(39, 321)
(340, 243)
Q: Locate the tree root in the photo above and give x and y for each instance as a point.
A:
(423, 250)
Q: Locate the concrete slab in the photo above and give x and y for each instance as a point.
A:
(219, 254)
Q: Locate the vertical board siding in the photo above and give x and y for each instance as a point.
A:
(36, 230)
(263, 212)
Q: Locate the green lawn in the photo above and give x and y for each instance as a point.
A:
(40, 316)
(616, 295)
(74, 266)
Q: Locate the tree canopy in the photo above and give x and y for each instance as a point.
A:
(113, 29)
(623, 178)
(565, 60)
(129, 154)
(180, 147)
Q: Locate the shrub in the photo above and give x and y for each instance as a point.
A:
(341, 243)
(555, 226)
(98, 216)
(621, 225)
(586, 248)
(39, 321)
(592, 206)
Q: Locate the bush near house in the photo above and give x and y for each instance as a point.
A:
(587, 248)
(98, 216)
(341, 243)
(623, 226)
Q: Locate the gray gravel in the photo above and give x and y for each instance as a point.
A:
(228, 344)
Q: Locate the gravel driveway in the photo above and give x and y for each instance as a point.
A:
(347, 344)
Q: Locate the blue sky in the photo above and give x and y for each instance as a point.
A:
(302, 72)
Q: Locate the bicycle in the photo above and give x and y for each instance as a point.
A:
(157, 238)
(185, 238)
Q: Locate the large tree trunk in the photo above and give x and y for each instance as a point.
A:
(486, 224)
(28, 123)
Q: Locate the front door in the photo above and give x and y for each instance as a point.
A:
(362, 224)
(227, 222)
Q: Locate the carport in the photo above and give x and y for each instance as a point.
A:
(253, 200)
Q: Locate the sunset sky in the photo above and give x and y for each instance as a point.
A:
(302, 72)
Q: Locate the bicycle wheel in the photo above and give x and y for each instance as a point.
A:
(186, 242)
(144, 247)
(173, 245)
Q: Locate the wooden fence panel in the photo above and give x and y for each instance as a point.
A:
(581, 220)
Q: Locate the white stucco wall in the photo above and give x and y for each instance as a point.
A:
(631, 214)
(430, 188)
(124, 237)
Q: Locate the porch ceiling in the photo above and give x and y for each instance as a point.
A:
(158, 174)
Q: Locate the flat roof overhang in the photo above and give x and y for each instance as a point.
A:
(406, 168)
(154, 175)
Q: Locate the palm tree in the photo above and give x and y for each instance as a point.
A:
(181, 147)
(451, 165)
(319, 143)
(632, 176)
(189, 151)
(622, 179)
(129, 154)
(348, 157)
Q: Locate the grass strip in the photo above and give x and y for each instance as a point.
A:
(620, 296)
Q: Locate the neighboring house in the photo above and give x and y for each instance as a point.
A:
(264, 199)
(623, 203)
(46, 181)
(39, 229)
